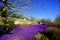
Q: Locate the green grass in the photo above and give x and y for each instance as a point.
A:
(39, 35)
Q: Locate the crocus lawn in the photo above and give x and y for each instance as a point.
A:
(24, 32)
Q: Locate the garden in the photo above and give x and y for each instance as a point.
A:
(15, 26)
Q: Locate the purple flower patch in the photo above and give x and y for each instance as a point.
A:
(24, 32)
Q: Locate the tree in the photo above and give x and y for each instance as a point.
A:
(33, 20)
(48, 22)
(8, 24)
(57, 21)
(3, 12)
(43, 21)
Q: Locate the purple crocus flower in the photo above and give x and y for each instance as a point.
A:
(2, 27)
(24, 32)
(0, 38)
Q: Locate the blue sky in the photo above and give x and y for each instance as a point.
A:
(41, 9)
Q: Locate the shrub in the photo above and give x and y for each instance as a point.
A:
(52, 33)
(6, 28)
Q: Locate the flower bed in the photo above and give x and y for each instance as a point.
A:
(24, 33)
